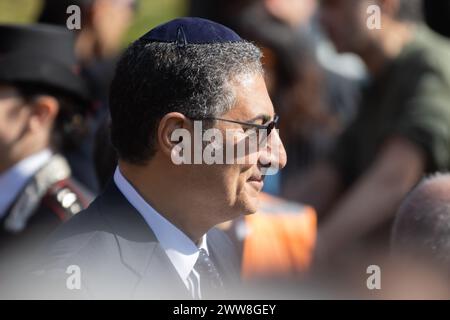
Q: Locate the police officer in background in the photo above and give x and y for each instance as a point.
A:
(42, 100)
(98, 44)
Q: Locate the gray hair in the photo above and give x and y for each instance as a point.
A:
(210, 70)
(154, 78)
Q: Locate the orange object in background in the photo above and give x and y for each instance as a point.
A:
(278, 240)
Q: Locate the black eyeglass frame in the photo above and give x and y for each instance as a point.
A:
(268, 127)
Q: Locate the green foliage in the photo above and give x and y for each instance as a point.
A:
(19, 11)
(150, 13)
(154, 12)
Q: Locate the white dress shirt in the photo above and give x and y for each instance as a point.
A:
(181, 250)
(14, 179)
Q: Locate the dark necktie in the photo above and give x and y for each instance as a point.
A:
(211, 283)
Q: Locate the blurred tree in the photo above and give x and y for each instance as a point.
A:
(150, 13)
(20, 11)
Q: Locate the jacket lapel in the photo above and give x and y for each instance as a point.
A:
(160, 279)
(139, 248)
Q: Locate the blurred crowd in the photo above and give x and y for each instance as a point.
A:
(364, 117)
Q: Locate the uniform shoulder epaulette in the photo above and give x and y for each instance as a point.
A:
(66, 198)
(50, 183)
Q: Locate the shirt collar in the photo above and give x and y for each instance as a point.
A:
(14, 179)
(182, 251)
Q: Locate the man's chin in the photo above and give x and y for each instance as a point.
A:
(251, 205)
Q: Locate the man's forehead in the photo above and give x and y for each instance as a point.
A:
(252, 99)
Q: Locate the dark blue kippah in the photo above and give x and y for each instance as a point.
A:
(185, 31)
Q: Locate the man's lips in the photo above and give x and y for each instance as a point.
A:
(257, 181)
(255, 178)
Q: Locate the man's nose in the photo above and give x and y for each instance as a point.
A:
(274, 154)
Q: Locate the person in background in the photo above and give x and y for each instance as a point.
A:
(42, 106)
(317, 104)
(286, 229)
(400, 132)
(98, 44)
(421, 228)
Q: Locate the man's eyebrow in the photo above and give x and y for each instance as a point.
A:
(264, 117)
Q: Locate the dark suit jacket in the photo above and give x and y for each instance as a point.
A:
(119, 256)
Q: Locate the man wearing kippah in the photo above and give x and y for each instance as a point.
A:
(42, 102)
(151, 233)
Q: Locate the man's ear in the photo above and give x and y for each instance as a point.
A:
(44, 110)
(172, 125)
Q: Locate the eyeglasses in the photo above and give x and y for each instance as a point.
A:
(269, 126)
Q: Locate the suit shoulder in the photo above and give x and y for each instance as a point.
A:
(83, 241)
(78, 231)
